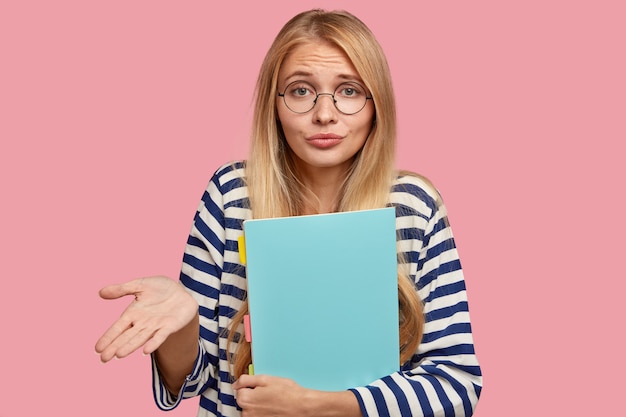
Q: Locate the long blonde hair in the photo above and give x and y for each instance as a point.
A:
(274, 186)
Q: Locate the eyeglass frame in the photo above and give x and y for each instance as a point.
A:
(317, 95)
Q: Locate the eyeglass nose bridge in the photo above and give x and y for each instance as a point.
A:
(317, 95)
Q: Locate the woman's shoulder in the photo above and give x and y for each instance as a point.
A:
(227, 184)
(230, 170)
(229, 175)
(415, 191)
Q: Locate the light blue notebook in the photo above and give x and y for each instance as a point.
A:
(323, 297)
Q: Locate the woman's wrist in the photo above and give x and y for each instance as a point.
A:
(176, 356)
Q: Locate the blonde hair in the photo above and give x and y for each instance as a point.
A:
(274, 185)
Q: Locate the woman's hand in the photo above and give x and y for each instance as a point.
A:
(263, 395)
(270, 396)
(161, 307)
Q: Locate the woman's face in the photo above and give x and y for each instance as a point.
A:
(324, 137)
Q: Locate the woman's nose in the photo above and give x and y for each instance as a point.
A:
(325, 110)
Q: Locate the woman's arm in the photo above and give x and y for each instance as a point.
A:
(208, 274)
(443, 378)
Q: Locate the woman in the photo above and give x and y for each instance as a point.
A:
(323, 141)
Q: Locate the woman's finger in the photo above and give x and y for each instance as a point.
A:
(130, 339)
(156, 341)
(112, 333)
(249, 381)
(111, 292)
(133, 340)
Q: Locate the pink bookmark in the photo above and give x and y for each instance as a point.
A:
(246, 328)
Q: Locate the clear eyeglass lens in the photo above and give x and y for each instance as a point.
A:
(349, 98)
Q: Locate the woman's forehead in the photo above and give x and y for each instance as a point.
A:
(317, 59)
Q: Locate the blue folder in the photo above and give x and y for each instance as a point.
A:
(323, 297)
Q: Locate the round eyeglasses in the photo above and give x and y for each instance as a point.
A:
(349, 97)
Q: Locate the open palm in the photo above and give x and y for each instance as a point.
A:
(161, 307)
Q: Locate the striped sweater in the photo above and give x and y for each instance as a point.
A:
(443, 377)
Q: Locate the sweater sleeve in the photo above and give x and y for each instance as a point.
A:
(201, 275)
(443, 378)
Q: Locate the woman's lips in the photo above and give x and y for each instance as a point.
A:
(324, 140)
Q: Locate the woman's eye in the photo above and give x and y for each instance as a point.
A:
(348, 91)
(301, 90)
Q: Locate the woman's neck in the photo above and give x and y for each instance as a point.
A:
(325, 185)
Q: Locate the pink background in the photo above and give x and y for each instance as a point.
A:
(113, 116)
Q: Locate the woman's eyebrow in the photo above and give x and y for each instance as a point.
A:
(298, 74)
(306, 74)
(349, 77)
